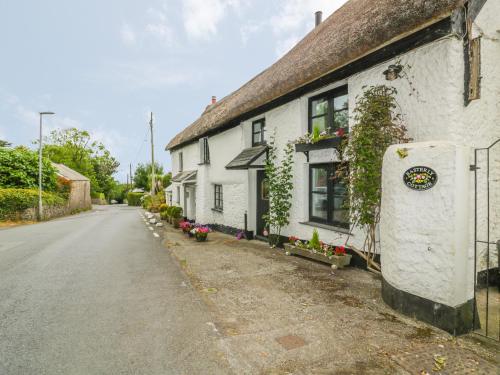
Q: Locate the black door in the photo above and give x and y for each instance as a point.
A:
(262, 201)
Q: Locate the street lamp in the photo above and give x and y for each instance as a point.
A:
(40, 210)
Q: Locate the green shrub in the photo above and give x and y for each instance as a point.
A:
(176, 212)
(163, 207)
(98, 196)
(147, 202)
(164, 215)
(153, 203)
(134, 199)
(314, 242)
(14, 201)
(19, 169)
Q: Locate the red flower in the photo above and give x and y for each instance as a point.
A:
(340, 132)
(340, 250)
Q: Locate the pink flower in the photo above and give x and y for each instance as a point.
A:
(340, 132)
(265, 233)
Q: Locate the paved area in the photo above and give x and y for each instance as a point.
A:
(96, 293)
(276, 314)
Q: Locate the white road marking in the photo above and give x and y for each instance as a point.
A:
(156, 234)
(150, 228)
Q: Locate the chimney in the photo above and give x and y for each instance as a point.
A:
(214, 99)
(319, 17)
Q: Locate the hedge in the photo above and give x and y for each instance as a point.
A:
(134, 199)
(15, 201)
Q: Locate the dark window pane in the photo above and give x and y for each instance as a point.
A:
(319, 206)
(319, 181)
(319, 123)
(319, 107)
(340, 102)
(257, 127)
(340, 120)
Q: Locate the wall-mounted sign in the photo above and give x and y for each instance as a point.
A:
(420, 178)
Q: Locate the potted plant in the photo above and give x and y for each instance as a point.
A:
(176, 215)
(340, 258)
(201, 233)
(318, 250)
(186, 227)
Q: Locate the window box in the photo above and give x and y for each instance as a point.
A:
(333, 142)
(339, 261)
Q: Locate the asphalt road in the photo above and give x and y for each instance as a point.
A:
(97, 293)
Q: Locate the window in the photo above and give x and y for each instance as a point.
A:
(327, 196)
(258, 130)
(204, 151)
(218, 198)
(329, 112)
(181, 162)
(178, 195)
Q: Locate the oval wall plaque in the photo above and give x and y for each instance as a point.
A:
(420, 178)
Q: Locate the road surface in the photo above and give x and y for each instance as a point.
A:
(96, 293)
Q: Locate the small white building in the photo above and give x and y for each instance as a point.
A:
(442, 56)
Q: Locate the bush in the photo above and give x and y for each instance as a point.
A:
(153, 203)
(14, 201)
(134, 199)
(176, 212)
(163, 207)
(19, 169)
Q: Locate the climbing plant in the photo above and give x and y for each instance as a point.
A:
(279, 176)
(377, 125)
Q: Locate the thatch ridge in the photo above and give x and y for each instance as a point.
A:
(354, 30)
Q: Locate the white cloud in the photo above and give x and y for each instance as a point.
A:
(202, 17)
(128, 35)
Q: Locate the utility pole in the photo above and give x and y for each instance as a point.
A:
(131, 177)
(127, 182)
(40, 208)
(153, 179)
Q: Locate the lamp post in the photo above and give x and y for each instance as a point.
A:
(40, 209)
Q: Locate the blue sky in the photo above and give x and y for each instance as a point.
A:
(104, 65)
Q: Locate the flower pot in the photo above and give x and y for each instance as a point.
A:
(341, 260)
(189, 234)
(201, 237)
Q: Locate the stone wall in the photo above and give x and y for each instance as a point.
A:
(49, 212)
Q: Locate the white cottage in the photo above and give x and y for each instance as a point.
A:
(448, 90)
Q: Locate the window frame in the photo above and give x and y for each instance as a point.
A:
(330, 196)
(204, 151)
(178, 200)
(218, 197)
(329, 96)
(181, 162)
(262, 122)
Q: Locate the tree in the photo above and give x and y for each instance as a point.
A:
(19, 169)
(5, 143)
(279, 177)
(142, 175)
(376, 127)
(76, 149)
(166, 180)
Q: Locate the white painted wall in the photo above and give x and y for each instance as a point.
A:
(424, 234)
(435, 111)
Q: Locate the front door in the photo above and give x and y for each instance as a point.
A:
(262, 201)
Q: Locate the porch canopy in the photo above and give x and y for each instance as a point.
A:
(185, 177)
(249, 158)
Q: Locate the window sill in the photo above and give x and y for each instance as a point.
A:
(217, 210)
(327, 227)
(205, 163)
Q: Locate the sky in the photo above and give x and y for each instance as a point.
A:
(103, 66)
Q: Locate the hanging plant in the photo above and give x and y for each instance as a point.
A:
(377, 125)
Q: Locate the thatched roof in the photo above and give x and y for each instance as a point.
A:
(356, 29)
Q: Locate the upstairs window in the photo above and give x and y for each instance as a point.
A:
(329, 111)
(218, 198)
(181, 162)
(258, 132)
(204, 151)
